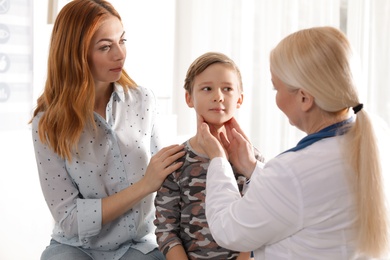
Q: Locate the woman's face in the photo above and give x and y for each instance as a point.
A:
(107, 51)
(286, 100)
(216, 94)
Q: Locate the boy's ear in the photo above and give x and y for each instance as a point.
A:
(189, 100)
(240, 100)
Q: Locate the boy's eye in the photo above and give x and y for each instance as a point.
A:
(227, 89)
(123, 41)
(206, 88)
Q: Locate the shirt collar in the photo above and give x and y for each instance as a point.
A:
(330, 131)
(119, 91)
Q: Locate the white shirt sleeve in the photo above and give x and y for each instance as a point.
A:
(270, 210)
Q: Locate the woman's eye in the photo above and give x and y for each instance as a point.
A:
(105, 47)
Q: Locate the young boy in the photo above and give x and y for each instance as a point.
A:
(214, 89)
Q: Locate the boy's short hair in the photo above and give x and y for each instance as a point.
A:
(203, 62)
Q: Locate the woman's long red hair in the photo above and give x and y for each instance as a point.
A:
(69, 95)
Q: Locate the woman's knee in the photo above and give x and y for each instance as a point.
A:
(58, 251)
(135, 254)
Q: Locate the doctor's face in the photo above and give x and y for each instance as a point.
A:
(286, 100)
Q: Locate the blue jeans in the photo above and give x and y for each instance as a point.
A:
(58, 251)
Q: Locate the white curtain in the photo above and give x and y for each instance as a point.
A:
(246, 30)
(369, 30)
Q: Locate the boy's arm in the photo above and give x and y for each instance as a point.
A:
(244, 256)
(167, 221)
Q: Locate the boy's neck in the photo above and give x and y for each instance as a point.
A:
(195, 144)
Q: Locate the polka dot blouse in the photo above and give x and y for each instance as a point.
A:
(109, 159)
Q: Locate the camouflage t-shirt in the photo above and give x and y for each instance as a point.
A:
(180, 210)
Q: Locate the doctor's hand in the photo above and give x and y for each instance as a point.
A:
(208, 140)
(239, 149)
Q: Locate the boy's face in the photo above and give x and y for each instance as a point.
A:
(216, 94)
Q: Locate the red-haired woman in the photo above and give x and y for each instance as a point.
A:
(94, 133)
